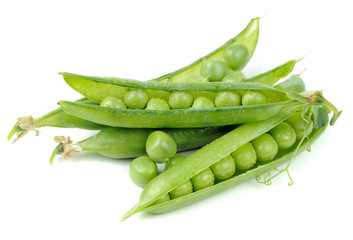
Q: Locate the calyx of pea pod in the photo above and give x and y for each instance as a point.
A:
(22, 127)
(65, 147)
(320, 107)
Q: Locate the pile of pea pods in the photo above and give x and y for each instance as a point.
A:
(237, 127)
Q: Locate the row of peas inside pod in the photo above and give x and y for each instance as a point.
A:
(162, 149)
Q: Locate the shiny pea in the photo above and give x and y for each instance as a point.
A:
(180, 100)
(214, 69)
(223, 169)
(236, 55)
(162, 199)
(234, 77)
(202, 102)
(284, 135)
(203, 179)
(244, 156)
(227, 99)
(142, 170)
(160, 146)
(266, 147)
(183, 189)
(136, 99)
(157, 104)
(299, 125)
(253, 98)
(113, 102)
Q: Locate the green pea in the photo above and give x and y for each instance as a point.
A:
(227, 99)
(202, 102)
(266, 147)
(175, 159)
(284, 135)
(157, 104)
(142, 170)
(162, 199)
(180, 100)
(113, 102)
(214, 70)
(244, 157)
(197, 78)
(183, 189)
(203, 179)
(223, 169)
(160, 146)
(299, 125)
(136, 99)
(236, 55)
(234, 77)
(253, 98)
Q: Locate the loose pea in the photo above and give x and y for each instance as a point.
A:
(244, 157)
(236, 55)
(136, 99)
(180, 100)
(113, 102)
(234, 77)
(253, 98)
(227, 99)
(160, 146)
(175, 159)
(202, 102)
(299, 125)
(142, 170)
(214, 70)
(183, 189)
(157, 104)
(223, 169)
(203, 179)
(197, 78)
(266, 147)
(162, 199)
(284, 135)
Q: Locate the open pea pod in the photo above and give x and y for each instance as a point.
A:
(203, 159)
(249, 37)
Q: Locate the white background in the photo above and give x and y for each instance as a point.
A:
(84, 198)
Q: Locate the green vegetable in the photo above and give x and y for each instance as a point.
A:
(160, 147)
(142, 170)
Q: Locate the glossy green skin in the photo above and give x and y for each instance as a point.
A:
(180, 100)
(203, 179)
(204, 158)
(223, 169)
(182, 190)
(227, 99)
(160, 146)
(176, 118)
(266, 147)
(237, 55)
(236, 76)
(234, 181)
(157, 104)
(136, 99)
(253, 98)
(244, 157)
(214, 70)
(284, 135)
(202, 103)
(117, 142)
(164, 198)
(142, 170)
(112, 102)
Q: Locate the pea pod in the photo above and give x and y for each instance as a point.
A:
(117, 142)
(204, 158)
(248, 37)
(55, 118)
(176, 118)
(232, 182)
